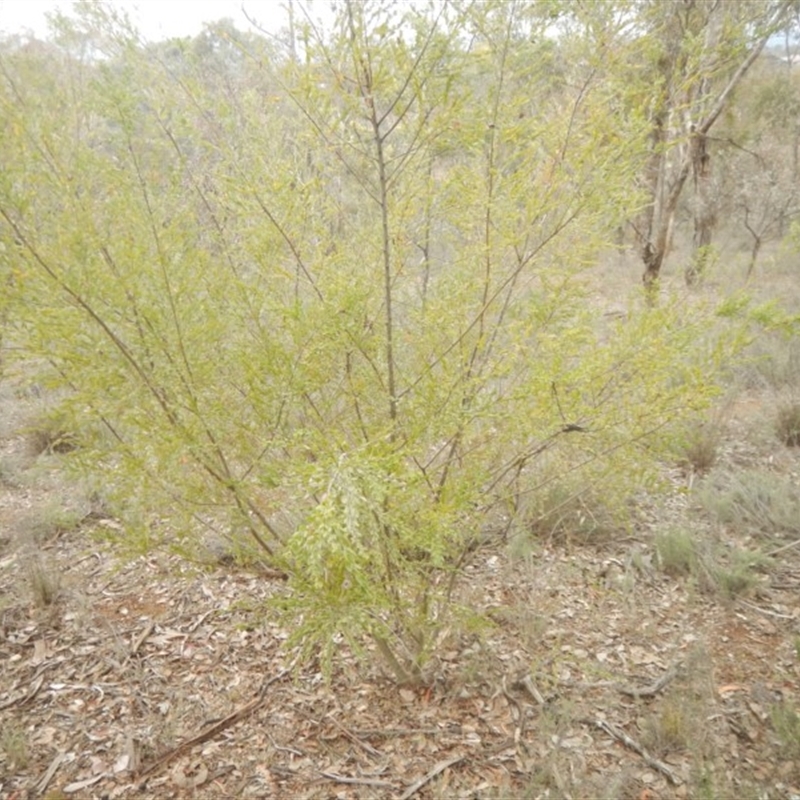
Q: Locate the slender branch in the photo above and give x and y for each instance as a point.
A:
(292, 246)
(722, 99)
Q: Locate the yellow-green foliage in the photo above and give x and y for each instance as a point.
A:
(351, 294)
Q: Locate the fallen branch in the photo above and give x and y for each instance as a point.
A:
(438, 769)
(214, 730)
(391, 732)
(782, 548)
(765, 611)
(655, 688)
(623, 737)
(332, 776)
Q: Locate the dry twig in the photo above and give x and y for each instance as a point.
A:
(654, 688)
(438, 769)
(357, 781)
(367, 748)
(623, 737)
(231, 719)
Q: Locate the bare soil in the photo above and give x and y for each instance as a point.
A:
(601, 677)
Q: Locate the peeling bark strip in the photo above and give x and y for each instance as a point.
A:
(27, 697)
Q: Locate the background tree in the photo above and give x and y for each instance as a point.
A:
(690, 56)
(759, 142)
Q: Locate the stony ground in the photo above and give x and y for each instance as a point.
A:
(602, 676)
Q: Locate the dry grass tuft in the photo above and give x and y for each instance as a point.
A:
(699, 449)
(786, 724)
(9, 474)
(751, 500)
(48, 435)
(670, 729)
(48, 522)
(561, 516)
(677, 552)
(14, 744)
(44, 583)
(787, 424)
(714, 569)
(739, 577)
(773, 363)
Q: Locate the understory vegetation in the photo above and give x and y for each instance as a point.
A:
(334, 307)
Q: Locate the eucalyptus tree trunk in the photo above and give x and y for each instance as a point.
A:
(704, 210)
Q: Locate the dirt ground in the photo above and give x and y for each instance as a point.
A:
(602, 676)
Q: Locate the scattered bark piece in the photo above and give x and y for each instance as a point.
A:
(140, 639)
(79, 786)
(25, 699)
(48, 776)
(392, 732)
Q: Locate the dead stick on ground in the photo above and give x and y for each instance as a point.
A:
(367, 748)
(140, 639)
(654, 689)
(211, 732)
(439, 768)
(781, 549)
(392, 732)
(332, 776)
(765, 611)
(623, 737)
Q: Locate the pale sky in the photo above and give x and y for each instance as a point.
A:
(155, 19)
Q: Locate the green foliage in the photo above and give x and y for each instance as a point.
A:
(349, 295)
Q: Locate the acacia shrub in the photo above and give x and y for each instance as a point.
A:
(348, 331)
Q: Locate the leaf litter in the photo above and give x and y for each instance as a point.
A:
(148, 680)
